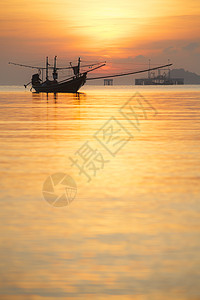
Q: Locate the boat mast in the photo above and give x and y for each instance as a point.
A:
(47, 68)
(79, 61)
(149, 73)
(55, 74)
(169, 69)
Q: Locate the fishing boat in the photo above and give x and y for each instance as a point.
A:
(71, 84)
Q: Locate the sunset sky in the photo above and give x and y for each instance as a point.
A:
(124, 33)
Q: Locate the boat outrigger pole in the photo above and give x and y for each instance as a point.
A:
(129, 73)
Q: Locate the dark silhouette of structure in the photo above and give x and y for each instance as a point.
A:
(73, 83)
(163, 77)
(108, 81)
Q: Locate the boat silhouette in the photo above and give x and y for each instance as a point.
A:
(71, 84)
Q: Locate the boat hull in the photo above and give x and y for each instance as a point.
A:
(67, 86)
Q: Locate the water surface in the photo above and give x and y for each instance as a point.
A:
(132, 232)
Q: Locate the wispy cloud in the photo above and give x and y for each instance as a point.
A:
(192, 46)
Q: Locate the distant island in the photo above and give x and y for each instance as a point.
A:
(189, 77)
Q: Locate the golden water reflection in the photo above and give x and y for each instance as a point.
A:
(133, 231)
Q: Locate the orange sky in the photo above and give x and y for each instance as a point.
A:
(116, 30)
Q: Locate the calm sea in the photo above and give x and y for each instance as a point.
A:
(100, 194)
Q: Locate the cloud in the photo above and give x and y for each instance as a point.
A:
(140, 58)
(170, 50)
(191, 46)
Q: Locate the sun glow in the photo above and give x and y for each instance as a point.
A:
(116, 24)
(96, 29)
